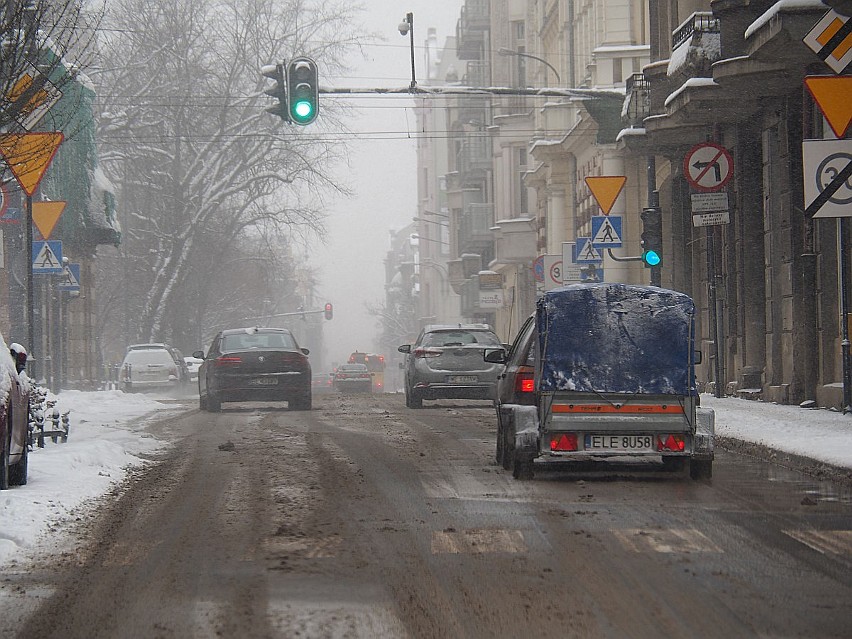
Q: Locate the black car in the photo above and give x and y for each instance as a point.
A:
(516, 384)
(254, 364)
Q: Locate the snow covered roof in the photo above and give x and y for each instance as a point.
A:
(783, 6)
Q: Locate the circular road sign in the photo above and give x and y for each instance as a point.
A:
(555, 273)
(708, 167)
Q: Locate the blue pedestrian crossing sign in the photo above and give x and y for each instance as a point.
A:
(586, 251)
(606, 231)
(70, 278)
(47, 257)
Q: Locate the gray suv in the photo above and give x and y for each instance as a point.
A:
(447, 362)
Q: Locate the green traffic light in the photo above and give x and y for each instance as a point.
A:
(303, 109)
(651, 258)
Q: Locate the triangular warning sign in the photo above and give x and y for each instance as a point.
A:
(45, 216)
(833, 94)
(606, 190)
(28, 155)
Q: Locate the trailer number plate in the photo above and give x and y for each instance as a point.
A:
(628, 443)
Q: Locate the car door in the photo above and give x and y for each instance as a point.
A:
(205, 369)
(521, 358)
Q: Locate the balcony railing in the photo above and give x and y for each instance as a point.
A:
(472, 24)
(475, 228)
(475, 154)
(700, 21)
(638, 98)
(478, 74)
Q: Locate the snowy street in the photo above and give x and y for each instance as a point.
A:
(362, 518)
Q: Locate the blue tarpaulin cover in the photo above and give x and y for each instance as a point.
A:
(616, 338)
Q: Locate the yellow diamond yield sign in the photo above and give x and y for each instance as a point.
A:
(833, 94)
(45, 216)
(28, 155)
(606, 190)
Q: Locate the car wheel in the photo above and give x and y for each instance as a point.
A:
(18, 472)
(701, 469)
(301, 402)
(4, 454)
(214, 404)
(500, 444)
(413, 399)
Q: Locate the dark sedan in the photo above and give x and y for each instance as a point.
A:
(254, 364)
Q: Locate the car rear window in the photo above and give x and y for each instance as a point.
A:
(460, 338)
(161, 357)
(262, 341)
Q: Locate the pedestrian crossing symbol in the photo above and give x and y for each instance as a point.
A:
(586, 251)
(606, 231)
(47, 257)
(70, 278)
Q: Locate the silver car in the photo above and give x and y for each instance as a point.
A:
(447, 362)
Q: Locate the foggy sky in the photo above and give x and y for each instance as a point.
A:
(383, 175)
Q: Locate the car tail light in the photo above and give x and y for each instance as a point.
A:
(227, 361)
(671, 443)
(427, 353)
(524, 380)
(563, 443)
(364, 375)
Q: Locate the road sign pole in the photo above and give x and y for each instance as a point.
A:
(30, 294)
(843, 265)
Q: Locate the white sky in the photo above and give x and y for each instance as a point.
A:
(383, 173)
(108, 434)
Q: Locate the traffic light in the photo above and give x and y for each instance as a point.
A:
(652, 237)
(302, 90)
(329, 310)
(276, 72)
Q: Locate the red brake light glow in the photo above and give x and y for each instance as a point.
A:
(565, 442)
(671, 443)
(426, 352)
(524, 380)
(227, 361)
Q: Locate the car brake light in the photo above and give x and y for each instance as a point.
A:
(426, 352)
(671, 443)
(524, 380)
(227, 361)
(563, 443)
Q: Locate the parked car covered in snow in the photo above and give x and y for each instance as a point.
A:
(14, 415)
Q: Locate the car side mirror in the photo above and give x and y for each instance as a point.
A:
(306, 351)
(495, 355)
(697, 357)
(198, 354)
(405, 348)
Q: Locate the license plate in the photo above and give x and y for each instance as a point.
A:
(462, 379)
(627, 443)
(264, 381)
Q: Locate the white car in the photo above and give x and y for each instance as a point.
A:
(192, 364)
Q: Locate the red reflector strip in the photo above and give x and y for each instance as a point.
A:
(673, 443)
(609, 408)
(564, 443)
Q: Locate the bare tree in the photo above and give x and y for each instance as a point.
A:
(43, 46)
(201, 167)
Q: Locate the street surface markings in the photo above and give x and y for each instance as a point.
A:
(833, 542)
(319, 548)
(455, 487)
(684, 540)
(477, 541)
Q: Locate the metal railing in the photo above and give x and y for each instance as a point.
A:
(700, 21)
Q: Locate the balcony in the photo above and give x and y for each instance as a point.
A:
(473, 23)
(698, 22)
(637, 103)
(474, 156)
(475, 235)
(478, 74)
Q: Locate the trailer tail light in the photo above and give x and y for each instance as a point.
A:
(671, 443)
(563, 443)
(524, 380)
(227, 361)
(426, 353)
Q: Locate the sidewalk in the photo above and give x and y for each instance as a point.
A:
(818, 434)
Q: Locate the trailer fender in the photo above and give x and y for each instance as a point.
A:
(705, 432)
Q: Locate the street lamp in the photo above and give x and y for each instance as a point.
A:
(505, 51)
(406, 27)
